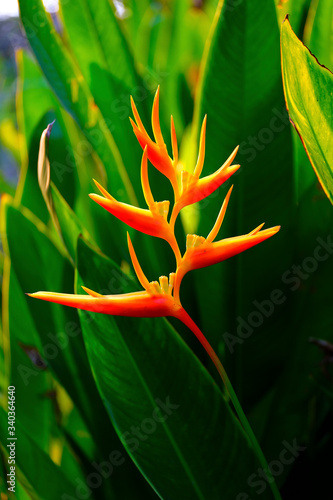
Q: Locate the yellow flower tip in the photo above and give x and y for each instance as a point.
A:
(39, 294)
(91, 292)
(136, 129)
(144, 179)
(232, 169)
(212, 235)
(257, 229)
(194, 241)
(273, 230)
(231, 158)
(137, 268)
(270, 231)
(162, 208)
(154, 288)
(171, 281)
(137, 118)
(164, 284)
(155, 120)
(103, 191)
(97, 198)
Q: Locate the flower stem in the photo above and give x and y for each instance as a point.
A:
(231, 395)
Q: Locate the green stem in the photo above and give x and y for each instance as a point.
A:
(188, 321)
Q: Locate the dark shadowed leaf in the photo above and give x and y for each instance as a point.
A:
(168, 412)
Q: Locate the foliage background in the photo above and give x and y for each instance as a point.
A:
(81, 73)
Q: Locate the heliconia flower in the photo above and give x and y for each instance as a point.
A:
(155, 301)
(202, 252)
(162, 298)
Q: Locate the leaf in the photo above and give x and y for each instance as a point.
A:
(35, 101)
(161, 423)
(241, 91)
(308, 93)
(57, 332)
(22, 366)
(38, 461)
(69, 224)
(107, 66)
(319, 31)
(72, 90)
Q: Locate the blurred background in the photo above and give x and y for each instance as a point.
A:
(228, 67)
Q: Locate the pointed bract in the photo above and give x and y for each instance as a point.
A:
(162, 298)
(137, 304)
(152, 221)
(200, 253)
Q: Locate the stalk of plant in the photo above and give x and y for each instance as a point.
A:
(162, 298)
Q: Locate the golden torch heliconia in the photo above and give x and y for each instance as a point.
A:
(162, 297)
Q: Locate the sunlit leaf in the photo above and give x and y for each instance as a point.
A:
(308, 92)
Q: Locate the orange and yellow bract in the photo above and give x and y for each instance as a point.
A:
(162, 298)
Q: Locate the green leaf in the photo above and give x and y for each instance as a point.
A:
(36, 466)
(159, 422)
(294, 397)
(69, 224)
(107, 66)
(66, 80)
(57, 330)
(23, 367)
(35, 100)
(308, 93)
(241, 92)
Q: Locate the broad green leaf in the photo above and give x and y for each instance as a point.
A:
(107, 47)
(59, 336)
(38, 265)
(308, 93)
(306, 285)
(38, 107)
(173, 423)
(108, 68)
(241, 92)
(22, 367)
(68, 84)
